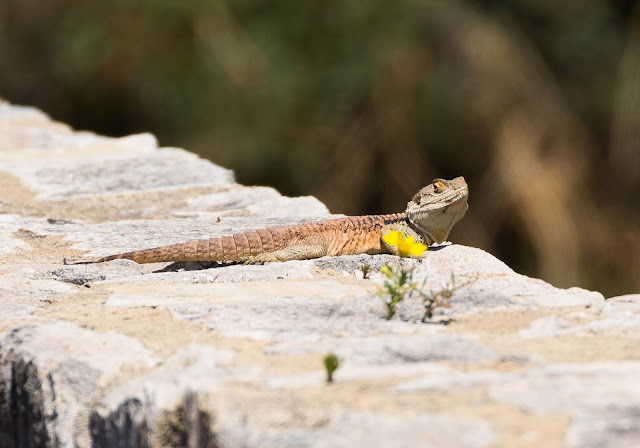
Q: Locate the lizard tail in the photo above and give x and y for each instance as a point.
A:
(190, 251)
(226, 248)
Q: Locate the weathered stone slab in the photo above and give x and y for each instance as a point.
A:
(8, 226)
(211, 354)
(234, 293)
(487, 273)
(61, 175)
(256, 202)
(608, 390)
(50, 378)
(23, 292)
(373, 429)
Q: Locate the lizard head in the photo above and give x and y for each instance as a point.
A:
(437, 207)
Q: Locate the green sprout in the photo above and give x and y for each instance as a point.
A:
(331, 364)
(398, 283)
(440, 298)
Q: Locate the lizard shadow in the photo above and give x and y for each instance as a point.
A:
(439, 247)
(195, 265)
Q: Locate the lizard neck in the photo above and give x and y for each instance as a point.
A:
(435, 225)
(415, 225)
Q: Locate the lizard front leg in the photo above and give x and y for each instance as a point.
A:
(406, 231)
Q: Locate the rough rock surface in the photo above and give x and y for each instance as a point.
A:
(127, 355)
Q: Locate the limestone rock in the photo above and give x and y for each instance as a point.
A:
(206, 354)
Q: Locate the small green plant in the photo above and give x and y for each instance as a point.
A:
(398, 283)
(331, 364)
(365, 268)
(440, 298)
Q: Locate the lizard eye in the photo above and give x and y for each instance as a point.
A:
(438, 187)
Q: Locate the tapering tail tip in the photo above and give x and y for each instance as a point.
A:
(73, 260)
(84, 260)
(78, 260)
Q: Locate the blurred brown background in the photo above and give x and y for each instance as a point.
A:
(535, 102)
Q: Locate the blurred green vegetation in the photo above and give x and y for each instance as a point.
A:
(536, 103)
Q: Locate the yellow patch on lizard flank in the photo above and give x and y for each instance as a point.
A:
(406, 246)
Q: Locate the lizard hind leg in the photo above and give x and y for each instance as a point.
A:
(301, 250)
(406, 231)
(297, 252)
